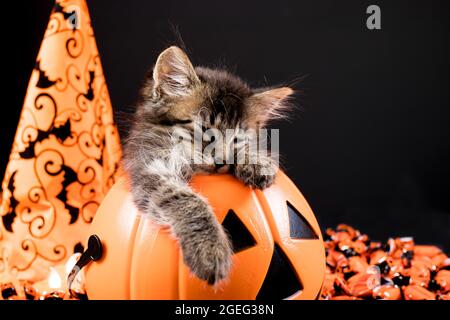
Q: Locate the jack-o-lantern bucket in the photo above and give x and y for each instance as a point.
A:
(278, 247)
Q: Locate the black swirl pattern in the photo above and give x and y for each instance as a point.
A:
(10, 215)
(66, 151)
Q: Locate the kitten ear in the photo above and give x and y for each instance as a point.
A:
(268, 105)
(174, 74)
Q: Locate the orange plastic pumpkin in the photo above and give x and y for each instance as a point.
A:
(279, 252)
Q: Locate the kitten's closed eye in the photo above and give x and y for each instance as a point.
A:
(172, 122)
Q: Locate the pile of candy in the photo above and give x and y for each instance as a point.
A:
(358, 268)
(54, 287)
(24, 290)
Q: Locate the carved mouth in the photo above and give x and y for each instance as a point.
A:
(281, 281)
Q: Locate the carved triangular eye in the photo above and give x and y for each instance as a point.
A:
(240, 237)
(281, 281)
(298, 226)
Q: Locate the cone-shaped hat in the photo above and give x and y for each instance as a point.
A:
(65, 154)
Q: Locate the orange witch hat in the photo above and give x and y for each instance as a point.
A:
(65, 154)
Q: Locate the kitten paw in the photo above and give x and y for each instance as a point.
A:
(210, 259)
(259, 176)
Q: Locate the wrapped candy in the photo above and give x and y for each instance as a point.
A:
(415, 292)
(387, 292)
(8, 290)
(443, 279)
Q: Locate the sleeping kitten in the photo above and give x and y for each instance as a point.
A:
(176, 100)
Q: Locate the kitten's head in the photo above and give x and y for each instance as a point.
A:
(183, 96)
(180, 94)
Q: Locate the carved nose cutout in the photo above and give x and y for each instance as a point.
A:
(281, 280)
(239, 235)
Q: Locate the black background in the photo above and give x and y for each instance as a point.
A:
(369, 143)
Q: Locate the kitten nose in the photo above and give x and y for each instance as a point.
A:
(219, 162)
(222, 167)
(219, 165)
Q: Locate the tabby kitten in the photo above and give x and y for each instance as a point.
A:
(176, 100)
